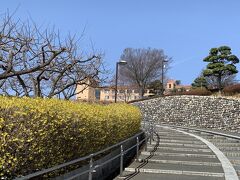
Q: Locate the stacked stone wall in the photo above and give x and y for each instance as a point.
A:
(193, 111)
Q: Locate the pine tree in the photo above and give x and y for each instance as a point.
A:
(221, 62)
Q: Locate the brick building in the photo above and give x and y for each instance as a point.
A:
(107, 93)
(172, 86)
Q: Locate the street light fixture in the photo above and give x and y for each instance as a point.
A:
(164, 61)
(121, 62)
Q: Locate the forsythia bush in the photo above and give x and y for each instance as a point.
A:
(38, 133)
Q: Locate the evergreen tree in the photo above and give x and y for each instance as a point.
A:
(155, 86)
(200, 82)
(221, 62)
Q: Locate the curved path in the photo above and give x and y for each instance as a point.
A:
(178, 154)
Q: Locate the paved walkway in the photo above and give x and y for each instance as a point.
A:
(177, 155)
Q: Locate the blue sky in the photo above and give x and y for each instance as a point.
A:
(184, 29)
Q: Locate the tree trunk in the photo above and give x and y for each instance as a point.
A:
(141, 92)
(219, 84)
(21, 81)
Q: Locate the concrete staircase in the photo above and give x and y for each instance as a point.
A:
(230, 148)
(177, 156)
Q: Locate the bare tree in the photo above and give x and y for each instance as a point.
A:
(143, 66)
(39, 63)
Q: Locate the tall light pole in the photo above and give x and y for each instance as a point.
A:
(163, 61)
(121, 62)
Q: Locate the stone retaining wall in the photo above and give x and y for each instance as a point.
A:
(194, 111)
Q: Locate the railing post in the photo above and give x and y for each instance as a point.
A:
(121, 161)
(146, 141)
(144, 123)
(150, 137)
(152, 132)
(137, 148)
(90, 168)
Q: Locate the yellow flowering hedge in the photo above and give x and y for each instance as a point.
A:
(41, 133)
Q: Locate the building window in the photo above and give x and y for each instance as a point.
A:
(129, 91)
(106, 97)
(169, 86)
(106, 91)
(136, 91)
(97, 94)
(122, 91)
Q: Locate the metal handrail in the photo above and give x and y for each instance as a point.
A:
(90, 156)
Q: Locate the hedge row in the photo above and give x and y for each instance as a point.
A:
(195, 92)
(37, 133)
(232, 90)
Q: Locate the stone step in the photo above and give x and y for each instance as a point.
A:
(178, 172)
(179, 138)
(172, 135)
(179, 151)
(193, 163)
(181, 167)
(180, 158)
(171, 144)
(167, 133)
(231, 154)
(159, 148)
(213, 137)
(165, 176)
(179, 154)
(226, 148)
(162, 130)
(179, 141)
(222, 141)
(159, 132)
(204, 134)
(227, 144)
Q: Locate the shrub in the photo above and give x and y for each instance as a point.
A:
(37, 133)
(232, 90)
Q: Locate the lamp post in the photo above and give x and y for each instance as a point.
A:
(164, 61)
(121, 62)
